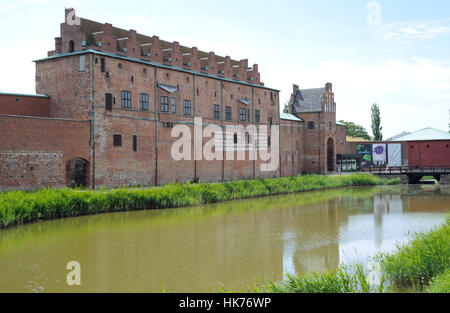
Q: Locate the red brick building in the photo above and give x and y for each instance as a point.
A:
(112, 100)
(322, 137)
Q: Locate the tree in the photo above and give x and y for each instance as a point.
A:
(376, 123)
(355, 131)
(286, 108)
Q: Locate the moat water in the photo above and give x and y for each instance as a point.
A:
(228, 246)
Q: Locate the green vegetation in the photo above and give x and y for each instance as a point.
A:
(18, 207)
(376, 123)
(341, 280)
(355, 131)
(440, 284)
(425, 259)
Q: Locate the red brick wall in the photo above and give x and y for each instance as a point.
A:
(118, 166)
(292, 145)
(70, 89)
(341, 139)
(24, 105)
(34, 151)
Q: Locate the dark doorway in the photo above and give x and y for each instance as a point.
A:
(330, 155)
(77, 173)
(71, 46)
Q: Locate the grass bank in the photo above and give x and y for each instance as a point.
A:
(342, 280)
(19, 207)
(423, 264)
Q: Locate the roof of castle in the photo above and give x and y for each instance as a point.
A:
(6, 93)
(89, 27)
(290, 117)
(308, 100)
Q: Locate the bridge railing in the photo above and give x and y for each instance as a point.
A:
(408, 170)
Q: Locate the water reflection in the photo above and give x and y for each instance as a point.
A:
(230, 245)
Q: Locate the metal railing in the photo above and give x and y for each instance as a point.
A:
(408, 170)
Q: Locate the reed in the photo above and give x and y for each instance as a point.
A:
(19, 207)
(423, 260)
(341, 280)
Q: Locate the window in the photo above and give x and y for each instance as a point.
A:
(311, 125)
(235, 138)
(228, 113)
(102, 65)
(270, 121)
(331, 125)
(134, 143)
(242, 114)
(216, 111)
(108, 101)
(247, 137)
(164, 104)
(271, 96)
(126, 99)
(257, 116)
(82, 61)
(173, 104)
(117, 140)
(187, 107)
(143, 101)
(269, 141)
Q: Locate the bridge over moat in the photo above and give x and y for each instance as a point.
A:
(413, 175)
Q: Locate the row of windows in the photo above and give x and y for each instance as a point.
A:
(164, 102)
(117, 141)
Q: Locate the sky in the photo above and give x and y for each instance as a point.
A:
(393, 53)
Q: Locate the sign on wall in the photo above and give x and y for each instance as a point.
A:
(379, 154)
(365, 151)
(395, 154)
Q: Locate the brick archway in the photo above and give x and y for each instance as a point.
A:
(331, 163)
(77, 173)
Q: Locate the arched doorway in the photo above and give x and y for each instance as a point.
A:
(77, 173)
(71, 46)
(330, 155)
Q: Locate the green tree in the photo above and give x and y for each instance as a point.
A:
(376, 123)
(355, 131)
(286, 108)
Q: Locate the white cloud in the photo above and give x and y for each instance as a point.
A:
(408, 32)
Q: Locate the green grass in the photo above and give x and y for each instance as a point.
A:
(440, 284)
(19, 207)
(423, 260)
(342, 280)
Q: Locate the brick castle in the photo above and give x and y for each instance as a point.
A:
(107, 100)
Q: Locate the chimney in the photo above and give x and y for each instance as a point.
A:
(58, 44)
(295, 88)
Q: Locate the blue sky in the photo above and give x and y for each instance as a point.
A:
(395, 53)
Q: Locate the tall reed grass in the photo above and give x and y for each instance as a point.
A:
(341, 280)
(18, 207)
(424, 259)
